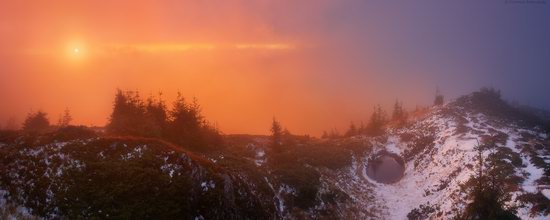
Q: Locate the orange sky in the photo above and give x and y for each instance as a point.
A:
(246, 61)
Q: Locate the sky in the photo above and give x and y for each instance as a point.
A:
(313, 64)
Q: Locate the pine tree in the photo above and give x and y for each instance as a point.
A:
(397, 111)
(65, 119)
(377, 122)
(399, 115)
(185, 123)
(439, 99)
(276, 134)
(156, 116)
(128, 116)
(488, 198)
(36, 122)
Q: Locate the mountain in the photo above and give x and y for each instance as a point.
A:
(419, 170)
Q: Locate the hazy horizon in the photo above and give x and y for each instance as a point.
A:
(313, 66)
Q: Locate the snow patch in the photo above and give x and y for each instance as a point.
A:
(208, 185)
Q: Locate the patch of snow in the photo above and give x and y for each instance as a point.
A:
(260, 157)
(101, 155)
(392, 147)
(535, 173)
(511, 141)
(208, 185)
(20, 211)
(61, 144)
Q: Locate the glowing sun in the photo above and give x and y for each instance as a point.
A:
(76, 52)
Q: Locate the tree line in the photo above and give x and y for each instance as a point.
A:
(379, 119)
(375, 126)
(38, 122)
(182, 124)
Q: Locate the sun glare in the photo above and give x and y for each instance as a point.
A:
(76, 51)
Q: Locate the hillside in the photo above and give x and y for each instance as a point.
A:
(63, 175)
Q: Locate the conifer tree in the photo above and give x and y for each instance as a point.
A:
(377, 122)
(36, 122)
(156, 116)
(276, 134)
(65, 119)
(439, 99)
(184, 123)
(485, 191)
(128, 116)
(397, 111)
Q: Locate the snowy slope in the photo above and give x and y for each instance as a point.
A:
(433, 176)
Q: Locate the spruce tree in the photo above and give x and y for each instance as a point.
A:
(276, 134)
(65, 119)
(36, 122)
(486, 194)
(156, 116)
(439, 99)
(377, 122)
(128, 116)
(399, 115)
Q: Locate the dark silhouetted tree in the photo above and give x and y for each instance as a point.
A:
(36, 122)
(276, 134)
(376, 122)
(185, 123)
(439, 99)
(128, 116)
(399, 115)
(397, 111)
(156, 116)
(65, 119)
